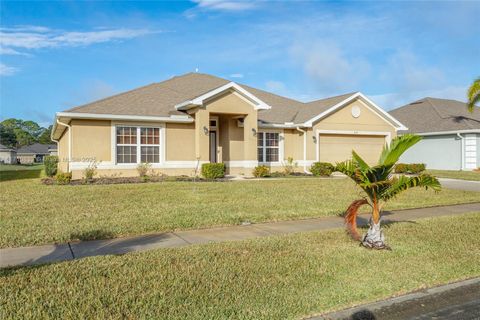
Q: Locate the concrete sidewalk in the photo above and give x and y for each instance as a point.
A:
(82, 249)
(458, 184)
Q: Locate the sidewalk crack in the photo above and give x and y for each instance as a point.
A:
(71, 251)
(181, 238)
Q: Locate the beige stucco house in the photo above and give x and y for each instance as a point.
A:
(178, 124)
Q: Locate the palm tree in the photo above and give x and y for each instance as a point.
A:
(380, 186)
(473, 94)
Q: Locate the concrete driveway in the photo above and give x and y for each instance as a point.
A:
(460, 184)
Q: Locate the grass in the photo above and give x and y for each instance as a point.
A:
(454, 174)
(10, 172)
(34, 214)
(281, 277)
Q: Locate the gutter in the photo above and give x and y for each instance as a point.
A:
(462, 141)
(304, 150)
(69, 142)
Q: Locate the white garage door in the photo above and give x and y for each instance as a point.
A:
(338, 147)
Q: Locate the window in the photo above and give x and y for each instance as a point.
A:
(135, 145)
(268, 146)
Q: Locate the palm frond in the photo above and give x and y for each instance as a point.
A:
(351, 218)
(473, 95)
(391, 153)
(360, 162)
(403, 183)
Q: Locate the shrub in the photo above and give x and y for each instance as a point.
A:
(412, 168)
(213, 170)
(324, 169)
(261, 171)
(63, 177)
(90, 171)
(143, 169)
(51, 163)
(290, 166)
(401, 168)
(416, 167)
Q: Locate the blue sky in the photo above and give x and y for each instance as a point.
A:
(56, 55)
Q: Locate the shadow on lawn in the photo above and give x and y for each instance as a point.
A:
(20, 174)
(82, 249)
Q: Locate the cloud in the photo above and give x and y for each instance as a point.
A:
(7, 70)
(236, 75)
(328, 67)
(224, 5)
(36, 37)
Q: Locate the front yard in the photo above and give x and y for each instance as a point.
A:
(34, 214)
(279, 277)
(21, 171)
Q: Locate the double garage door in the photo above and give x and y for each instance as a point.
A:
(338, 147)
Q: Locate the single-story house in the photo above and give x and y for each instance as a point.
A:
(181, 123)
(451, 134)
(7, 155)
(35, 152)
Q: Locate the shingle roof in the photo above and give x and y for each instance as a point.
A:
(2, 147)
(159, 99)
(436, 115)
(37, 148)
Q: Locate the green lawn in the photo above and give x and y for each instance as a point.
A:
(453, 174)
(33, 213)
(18, 171)
(280, 277)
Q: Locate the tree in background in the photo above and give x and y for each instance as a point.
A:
(473, 94)
(25, 132)
(7, 136)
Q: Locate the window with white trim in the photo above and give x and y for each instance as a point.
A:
(138, 144)
(268, 146)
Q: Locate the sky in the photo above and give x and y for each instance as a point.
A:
(57, 55)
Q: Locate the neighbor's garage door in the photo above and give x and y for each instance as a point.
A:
(335, 148)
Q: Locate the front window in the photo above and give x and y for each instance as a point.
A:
(268, 146)
(137, 144)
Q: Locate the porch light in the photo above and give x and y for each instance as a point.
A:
(254, 132)
(205, 130)
(314, 139)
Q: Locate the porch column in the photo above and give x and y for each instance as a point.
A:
(250, 127)
(202, 117)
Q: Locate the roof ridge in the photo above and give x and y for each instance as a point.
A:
(428, 99)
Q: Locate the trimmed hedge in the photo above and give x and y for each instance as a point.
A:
(213, 170)
(323, 169)
(51, 163)
(412, 168)
(261, 172)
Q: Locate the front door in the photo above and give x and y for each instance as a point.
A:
(213, 146)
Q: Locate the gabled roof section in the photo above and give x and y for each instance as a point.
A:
(343, 100)
(231, 86)
(437, 115)
(37, 148)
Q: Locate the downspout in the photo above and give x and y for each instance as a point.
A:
(462, 167)
(69, 142)
(304, 150)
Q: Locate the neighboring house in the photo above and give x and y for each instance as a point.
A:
(451, 134)
(7, 155)
(178, 124)
(35, 152)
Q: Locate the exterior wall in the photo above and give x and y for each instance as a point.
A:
(293, 144)
(230, 139)
(8, 157)
(63, 152)
(91, 139)
(26, 158)
(180, 142)
(437, 152)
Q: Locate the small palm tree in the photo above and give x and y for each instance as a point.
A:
(473, 95)
(380, 186)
